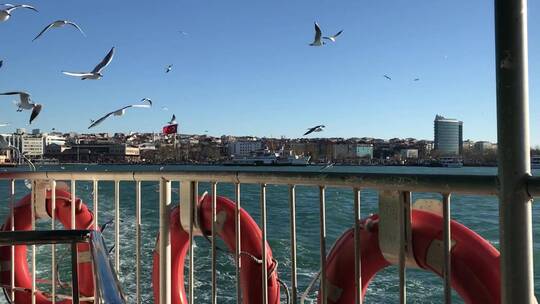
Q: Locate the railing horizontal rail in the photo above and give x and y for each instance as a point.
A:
(467, 184)
(43, 237)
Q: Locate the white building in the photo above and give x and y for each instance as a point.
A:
(32, 145)
(244, 147)
(409, 153)
(54, 139)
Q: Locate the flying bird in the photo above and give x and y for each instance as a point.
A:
(318, 128)
(169, 68)
(417, 79)
(26, 103)
(387, 77)
(97, 71)
(59, 23)
(165, 108)
(173, 120)
(183, 33)
(4, 124)
(120, 112)
(318, 34)
(5, 14)
(334, 37)
(1, 63)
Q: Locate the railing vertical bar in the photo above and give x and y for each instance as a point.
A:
(12, 215)
(194, 190)
(238, 244)
(402, 248)
(74, 273)
(33, 221)
(214, 237)
(515, 210)
(322, 236)
(164, 242)
(73, 198)
(447, 265)
(263, 258)
(95, 197)
(292, 206)
(357, 249)
(138, 223)
(117, 226)
(53, 246)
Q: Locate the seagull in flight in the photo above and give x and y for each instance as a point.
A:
(97, 71)
(26, 103)
(4, 124)
(334, 37)
(183, 33)
(165, 108)
(387, 77)
(120, 112)
(417, 79)
(5, 14)
(1, 63)
(169, 68)
(318, 128)
(59, 23)
(318, 34)
(173, 120)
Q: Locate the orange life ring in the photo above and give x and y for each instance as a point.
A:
(475, 272)
(23, 221)
(251, 238)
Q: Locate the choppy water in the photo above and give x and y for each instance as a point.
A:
(480, 213)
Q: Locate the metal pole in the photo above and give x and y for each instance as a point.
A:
(263, 258)
(138, 223)
(53, 246)
(322, 235)
(74, 273)
(447, 238)
(214, 236)
(164, 242)
(12, 214)
(513, 151)
(357, 249)
(194, 190)
(117, 226)
(33, 220)
(294, 280)
(237, 249)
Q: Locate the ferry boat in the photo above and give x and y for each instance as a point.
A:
(265, 157)
(450, 162)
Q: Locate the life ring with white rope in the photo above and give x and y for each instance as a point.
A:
(23, 221)
(251, 239)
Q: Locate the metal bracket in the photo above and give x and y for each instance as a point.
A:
(394, 222)
(188, 200)
(39, 190)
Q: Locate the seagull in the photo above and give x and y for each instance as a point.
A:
(59, 23)
(328, 165)
(183, 33)
(26, 103)
(417, 79)
(169, 68)
(318, 128)
(165, 108)
(333, 38)
(1, 63)
(4, 124)
(387, 77)
(120, 112)
(97, 71)
(173, 120)
(5, 14)
(317, 41)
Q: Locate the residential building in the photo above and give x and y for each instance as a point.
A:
(244, 147)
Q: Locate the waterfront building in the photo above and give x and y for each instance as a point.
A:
(364, 151)
(243, 148)
(448, 136)
(32, 146)
(409, 153)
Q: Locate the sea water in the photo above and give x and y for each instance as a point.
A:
(479, 213)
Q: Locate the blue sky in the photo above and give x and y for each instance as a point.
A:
(246, 67)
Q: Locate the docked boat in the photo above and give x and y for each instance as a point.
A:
(265, 157)
(449, 162)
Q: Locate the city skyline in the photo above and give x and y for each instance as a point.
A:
(246, 68)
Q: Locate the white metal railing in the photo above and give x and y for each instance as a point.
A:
(404, 183)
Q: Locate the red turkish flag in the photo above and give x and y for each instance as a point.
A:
(170, 129)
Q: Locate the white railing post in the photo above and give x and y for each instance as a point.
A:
(164, 242)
